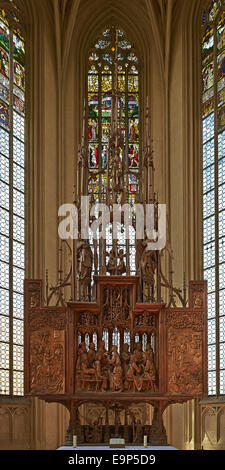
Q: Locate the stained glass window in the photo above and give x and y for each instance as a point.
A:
(213, 133)
(101, 76)
(12, 181)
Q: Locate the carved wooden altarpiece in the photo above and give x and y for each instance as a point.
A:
(172, 369)
(117, 343)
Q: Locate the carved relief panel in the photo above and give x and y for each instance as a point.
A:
(33, 293)
(116, 305)
(47, 351)
(185, 351)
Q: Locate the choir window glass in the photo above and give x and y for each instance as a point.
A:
(101, 71)
(213, 136)
(12, 167)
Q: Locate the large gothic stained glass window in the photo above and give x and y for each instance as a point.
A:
(213, 124)
(12, 264)
(101, 70)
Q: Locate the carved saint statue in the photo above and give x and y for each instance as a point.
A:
(113, 266)
(116, 378)
(102, 365)
(112, 262)
(125, 361)
(149, 368)
(91, 355)
(121, 268)
(85, 259)
(146, 260)
(148, 265)
(138, 437)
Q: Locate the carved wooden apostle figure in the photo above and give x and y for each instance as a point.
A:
(148, 265)
(149, 368)
(116, 378)
(134, 371)
(85, 259)
(138, 437)
(102, 365)
(121, 268)
(112, 262)
(87, 373)
(80, 353)
(125, 362)
(91, 355)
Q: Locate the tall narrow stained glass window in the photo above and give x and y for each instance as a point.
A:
(12, 264)
(213, 125)
(101, 71)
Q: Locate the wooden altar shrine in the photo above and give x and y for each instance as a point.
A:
(58, 367)
(127, 335)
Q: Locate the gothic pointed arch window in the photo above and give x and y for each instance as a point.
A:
(213, 136)
(12, 205)
(110, 48)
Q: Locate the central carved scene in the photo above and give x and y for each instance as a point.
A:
(132, 369)
(116, 347)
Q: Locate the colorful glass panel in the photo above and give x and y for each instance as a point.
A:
(93, 152)
(93, 83)
(4, 36)
(207, 46)
(132, 83)
(221, 33)
(4, 62)
(221, 118)
(4, 89)
(133, 130)
(207, 107)
(93, 105)
(221, 97)
(208, 77)
(101, 70)
(4, 115)
(133, 157)
(213, 9)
